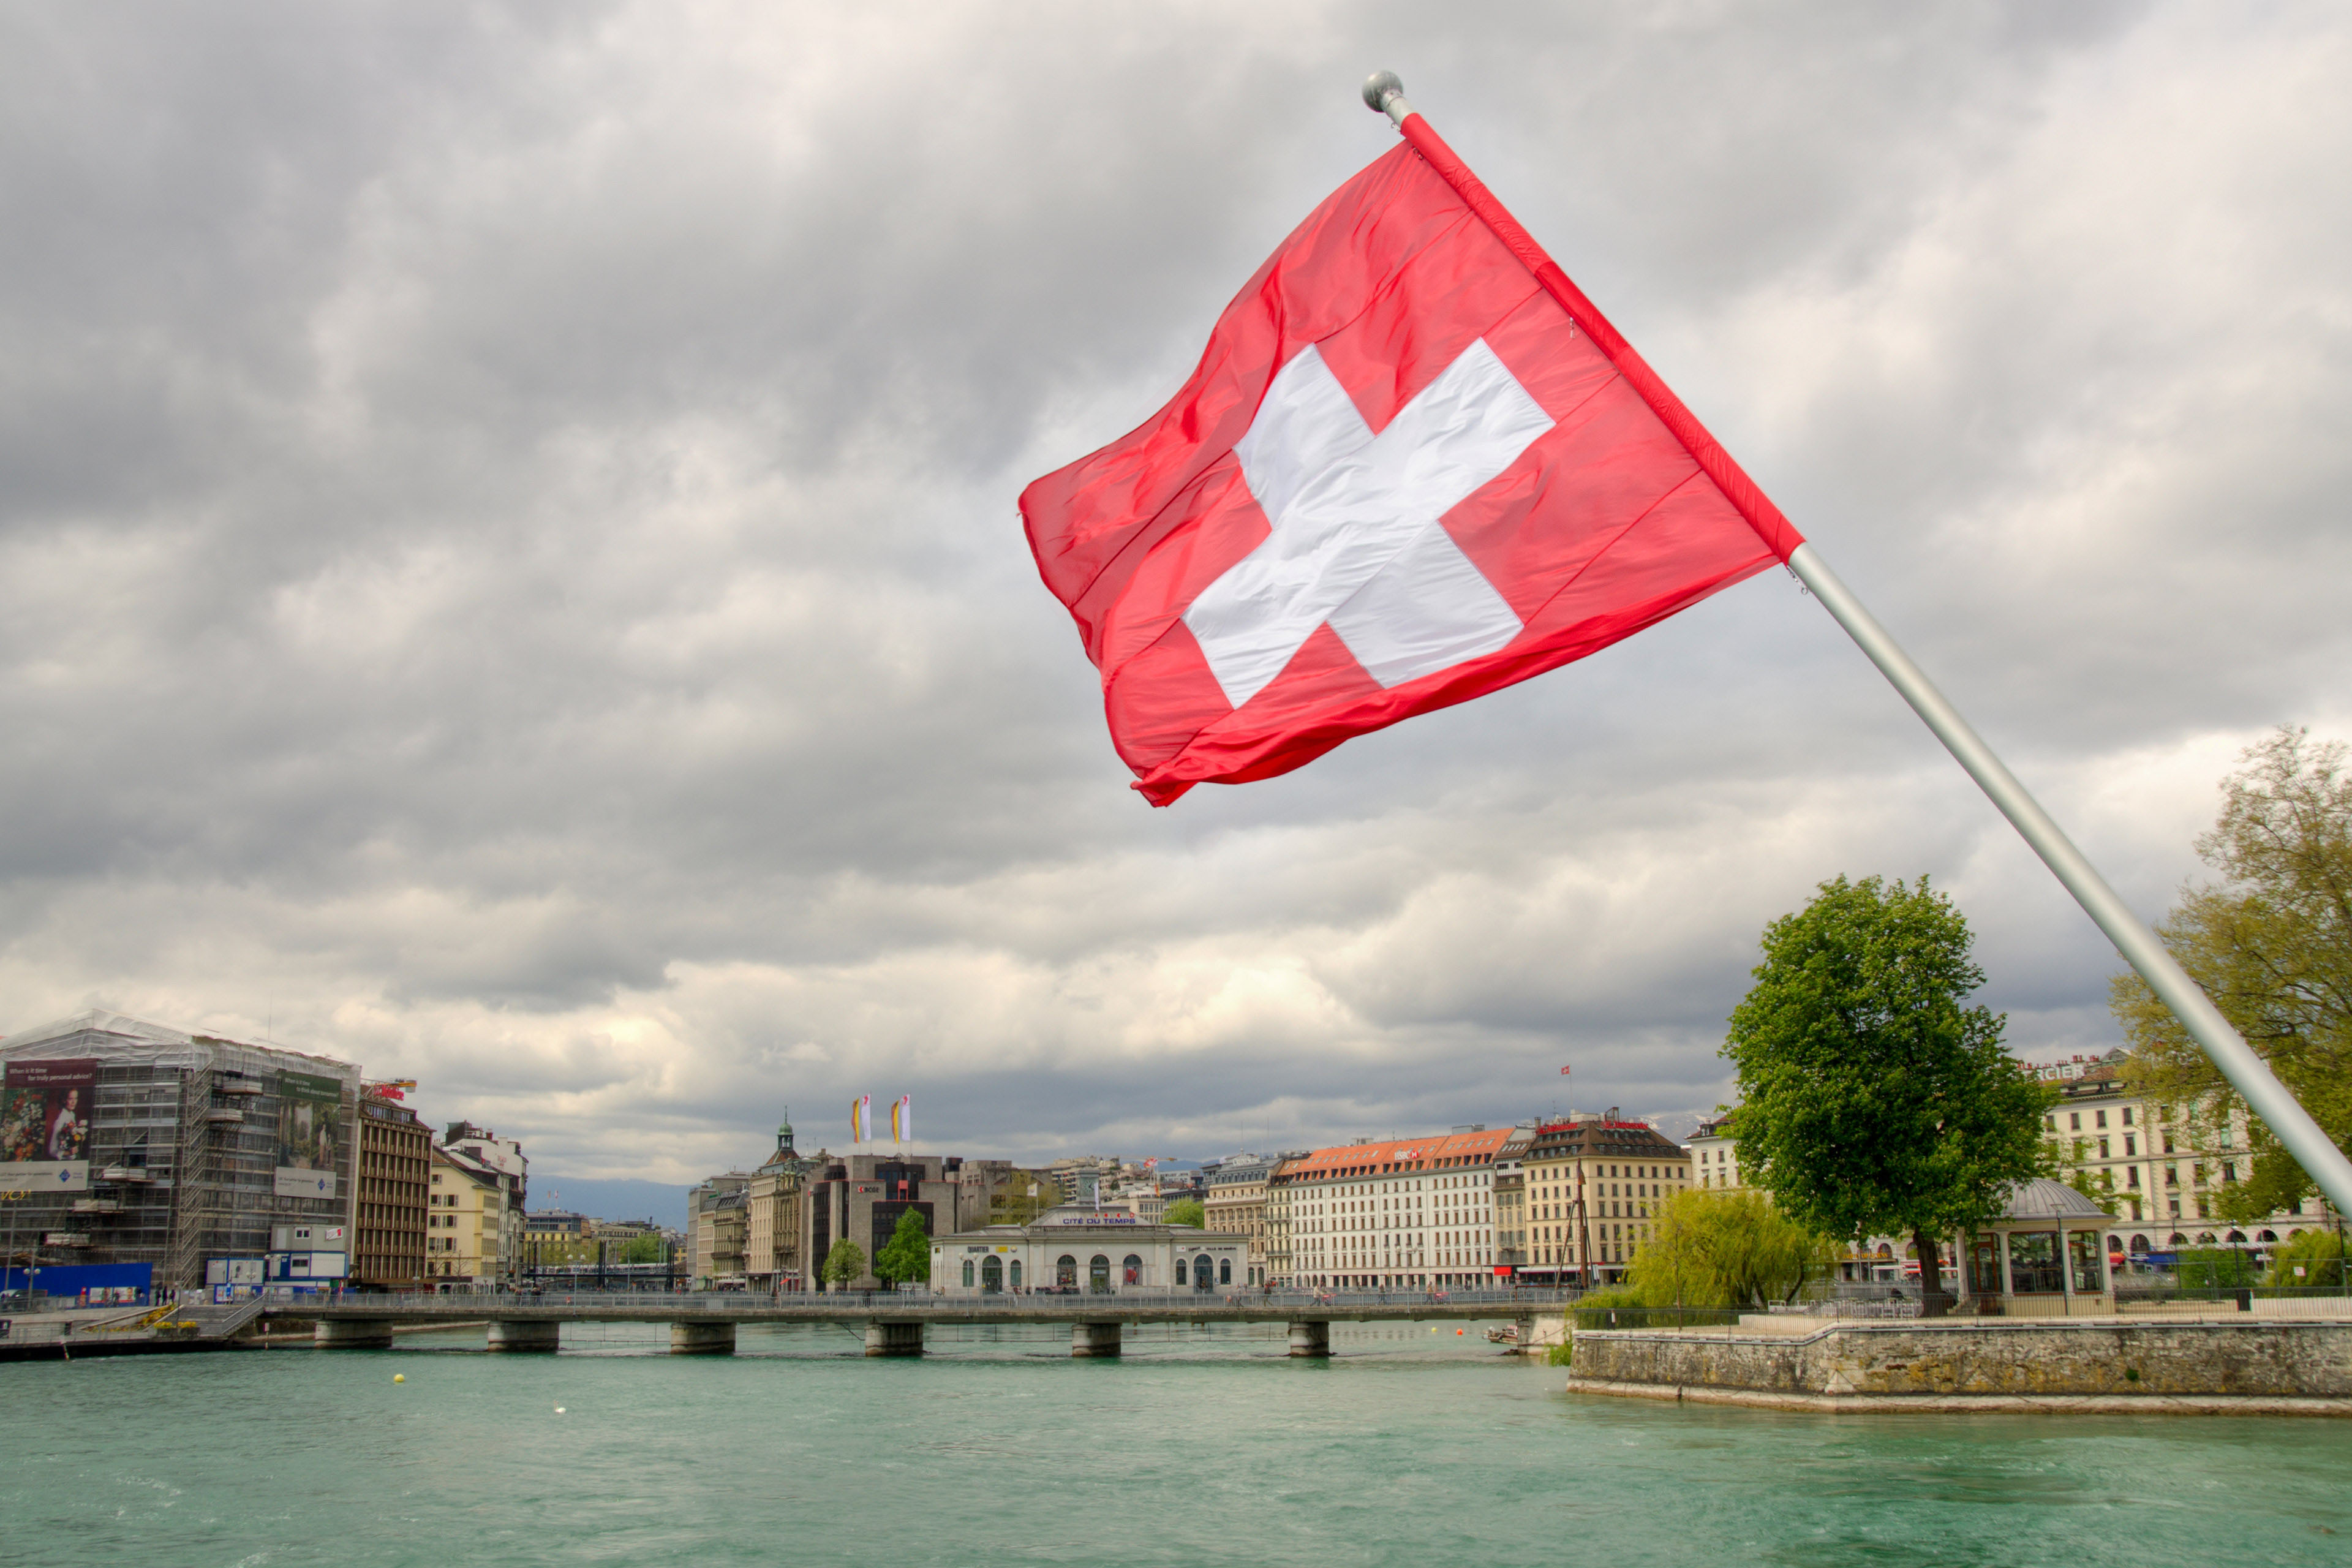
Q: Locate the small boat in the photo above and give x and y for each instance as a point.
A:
(1509, 1334)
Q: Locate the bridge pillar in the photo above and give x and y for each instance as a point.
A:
(893, 1338)
(1311, 1338)
(1094, 1338)
(524, 1334)
(352, 1333)
(701, 1339)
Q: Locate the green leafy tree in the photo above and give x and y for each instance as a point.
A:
(645, 1249)
(908, 1254)
(1187, 1211)
(2318, 1253)
(2215, 1269)
(2272, 944)
(1874, 1101)
(844, 1264)
(1726, 1250)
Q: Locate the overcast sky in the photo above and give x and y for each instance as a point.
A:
(508, 571)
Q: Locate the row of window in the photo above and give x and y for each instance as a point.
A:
(995, 1274)
(2075, 1120)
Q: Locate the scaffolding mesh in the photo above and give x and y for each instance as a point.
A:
(183, 1149)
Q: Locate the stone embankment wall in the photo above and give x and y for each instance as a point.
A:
(2018, 1357)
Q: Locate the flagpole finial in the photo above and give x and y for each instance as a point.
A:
(1384, 94)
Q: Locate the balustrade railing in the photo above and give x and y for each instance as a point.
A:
(1075, 1304)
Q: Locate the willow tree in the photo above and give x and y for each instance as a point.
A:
(2272, 944)
(1873, 1100)
(1726, 1250)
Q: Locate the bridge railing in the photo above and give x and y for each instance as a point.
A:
(1305, 1304)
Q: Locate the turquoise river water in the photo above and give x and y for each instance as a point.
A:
(1199, 1447)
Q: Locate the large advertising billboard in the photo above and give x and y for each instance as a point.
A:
(44, 1126)
(309, 1134)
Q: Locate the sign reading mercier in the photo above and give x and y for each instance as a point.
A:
(309, 1134)
(44, 1126)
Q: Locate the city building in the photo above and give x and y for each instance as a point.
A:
(1593, 1182)
(1079, 1248)
(861, 1196)
(555, 1226)
(1714, 1154)
(1281, 1254)
(503, 1156)
(2161, 1168)
(1082, 1178)
(469, 1239)
(772, 1230)
(1140, 1197)
(147, 1147)
(1511, 1197)
(718, 1218)
(1236, 1205)
(396, 1170)
(1413, 1213)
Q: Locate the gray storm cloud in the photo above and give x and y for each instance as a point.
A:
(507, 568)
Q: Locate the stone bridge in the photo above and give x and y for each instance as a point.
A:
(704, 1324)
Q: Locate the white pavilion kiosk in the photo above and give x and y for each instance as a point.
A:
(2045, 1257)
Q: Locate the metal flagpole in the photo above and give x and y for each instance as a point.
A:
(2246, 1071)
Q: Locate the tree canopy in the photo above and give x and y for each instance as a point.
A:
(1873, 1100)
(1726, 1250)
(1187, 1211)
(908, 1254)
(2272, 944)
(845, 1263)
(2317, 1255)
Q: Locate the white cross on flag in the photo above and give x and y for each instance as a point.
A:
(1414, 465)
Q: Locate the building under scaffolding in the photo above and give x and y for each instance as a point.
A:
(132, 1142)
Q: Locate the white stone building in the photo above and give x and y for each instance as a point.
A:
(2162, 1168)
(1414, 1214)
(1084, 1250)
(1715, 1155)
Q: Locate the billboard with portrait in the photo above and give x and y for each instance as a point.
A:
(45, 1125)
(309, 1134)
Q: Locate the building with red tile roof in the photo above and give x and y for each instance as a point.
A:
(1398, 1214)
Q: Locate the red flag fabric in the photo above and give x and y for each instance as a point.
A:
(1414, 467)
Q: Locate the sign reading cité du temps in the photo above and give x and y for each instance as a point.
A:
(44, 1126)
(309, 1134)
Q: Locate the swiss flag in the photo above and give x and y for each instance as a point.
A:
(1414, 465)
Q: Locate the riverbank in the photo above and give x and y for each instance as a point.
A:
(2084, 1364)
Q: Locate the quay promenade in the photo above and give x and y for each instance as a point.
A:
(704, 1323)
